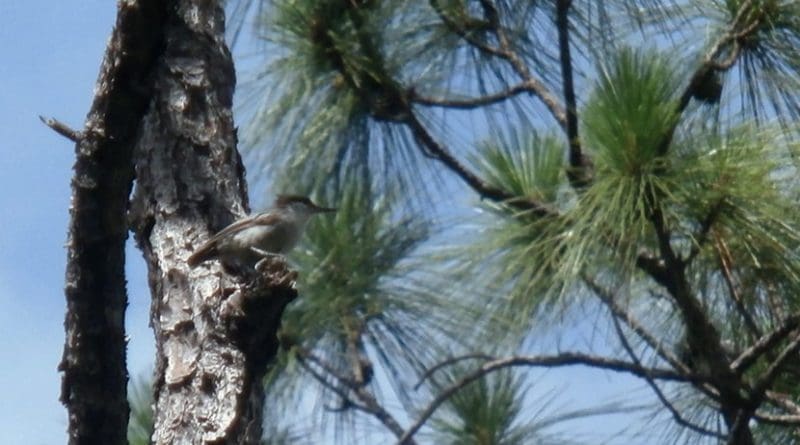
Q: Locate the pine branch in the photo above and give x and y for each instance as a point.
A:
(792, 420)
(704, 340)
(506, 52)
(749, 356)
(542, 361)
(470, 103)
(365, 401)
(439, 152)
(578, 173)
(771, 373)
(783, 401)
(449, 362)
(676, 415)
(462, 33)
(726, 260)
(619, 313)
(708, 66)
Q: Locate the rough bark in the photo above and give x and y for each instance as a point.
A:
(94, 372)
(215, 333)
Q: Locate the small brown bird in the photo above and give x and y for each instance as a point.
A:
(253, 238)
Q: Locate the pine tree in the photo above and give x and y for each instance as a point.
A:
(505, 168)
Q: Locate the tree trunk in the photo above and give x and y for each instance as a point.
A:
(95, 377)
(215, 333)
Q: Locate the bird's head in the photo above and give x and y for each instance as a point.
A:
(300, 204)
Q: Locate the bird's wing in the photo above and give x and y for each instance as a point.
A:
(265, 218)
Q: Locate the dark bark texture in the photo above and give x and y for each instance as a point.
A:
(215, 333)
(93, 365)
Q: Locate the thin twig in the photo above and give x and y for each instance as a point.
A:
(325, 366)
(341, 392)
(705, 229)
(474, 102)
(726, 260)
(750, 355)
(522, 70)
(709, 62)
(760, 387)
(618, 312)
(621, 314)
(440, 153)
(448, 362)
(368, 403)
(767, 377)
(783, 401)
(778, 419)
(459, 31)
(506, 53)
(728, 62)
(62, 129)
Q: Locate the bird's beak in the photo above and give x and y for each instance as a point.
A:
(319, 209)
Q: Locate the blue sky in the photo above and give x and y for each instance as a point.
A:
(51, 52)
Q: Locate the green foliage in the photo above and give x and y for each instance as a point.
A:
(518, 252)
(141, 421)
(349, 261)
(332, 90)
(631, 110)
(485, 412)
(357, 303)
(770, 63)
(527, 165)
(669, 173)
(776, 434)
(743, 183)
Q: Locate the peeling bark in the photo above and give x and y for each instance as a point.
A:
(215, 333)
(94, 372)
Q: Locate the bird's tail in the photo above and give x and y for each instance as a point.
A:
(206, 252)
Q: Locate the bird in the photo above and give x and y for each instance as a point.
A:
(253, 238)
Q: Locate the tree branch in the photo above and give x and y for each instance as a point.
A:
(778, 419)
(726, 260)
(708, 66)
(453, 360)
(461, 32)
(440, 153)
(705, 229)
(769, 340)
(470, 103)
(783, 401)
(578, 173)
(619, 313)
(368, 403)
(704, 341)
(771, 373)
(347, 401)
(534, 86)
(62, 129)
(94, 385)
